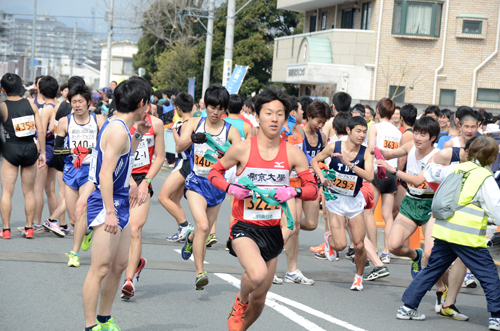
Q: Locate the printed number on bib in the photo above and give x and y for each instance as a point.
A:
(141, 155)
(260, 211)
(24, 126)
(86, 140)
(344, 184)
(417, 190)
(389, 144)
(201, 165)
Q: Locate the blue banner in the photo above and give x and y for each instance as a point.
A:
(191, 86)
(234, 83)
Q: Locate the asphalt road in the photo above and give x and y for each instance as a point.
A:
(39, 292)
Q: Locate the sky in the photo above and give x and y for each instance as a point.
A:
(77, 8)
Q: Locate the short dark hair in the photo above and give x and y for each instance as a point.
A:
(428, 125)
(216, 95)
(12, 84)
(409, 114)
(48, 87)
(372, 111)
(318, 109)
(432, 109)
(129, 93)
(75, 80)
(360, 108)
(445, 112)
(386, 107)
(356, 120)
(269, 94)
(462, 111)
(294, 103)
(37, 79)
(176, 91)
(453, 123)
(235, 104)
(340, 122)
(341, 101)
(63, 86)
(306, 101)
(468, 117)
(184, 102)
(249, 103)
(113, 81)
(168, 93)
(484, 150)
(82, 90)
(158, 94)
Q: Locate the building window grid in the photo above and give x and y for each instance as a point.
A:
(447, 97)
(485, 95)
(400, 18)
(397, 93)
(472, 27)
(365, 16)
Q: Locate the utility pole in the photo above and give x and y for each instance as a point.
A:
(110, 40)
(33, 46)
(228, 51)
(72, 64)
(208, 48)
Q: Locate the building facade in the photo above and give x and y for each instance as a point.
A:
(122, 53)
(414, 51)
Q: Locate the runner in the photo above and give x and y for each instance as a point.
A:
(203, 198)
(141, 191)
(351, 163)
(78, 129)
(256, 236)
(172, 190)
(468, 127)
(20, 121)
(108, 205)
(453, 132)
(444, 123)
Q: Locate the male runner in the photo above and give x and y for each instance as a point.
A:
(20, 121)
(352, 163)
(203, 198)
(108, 205)
(173, 189)
(444, 122)
(256, 237)
(78, 129)
(141, 191)
(468, 127)
(453, 131)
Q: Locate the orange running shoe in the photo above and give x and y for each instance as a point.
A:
(236, 317)
(28, 234)
(317, 249)
(5, 234)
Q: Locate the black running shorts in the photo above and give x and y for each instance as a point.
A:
(387, 185)
(268, 238)
(139, 178)
(20, 155)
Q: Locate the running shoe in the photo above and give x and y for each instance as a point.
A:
(128, 289)
(54, 227)
(317, 249)
(452, 312)
(385, 258)
(320, 255)
(440, 299)
(74, 259)
(494, 323)
(409, 314)
(97, 328)
(329, 252)
(187, 249)
(201, 281)
(378, 272)
(211, 240)
(277, 280)
(181, 233)
(367, 265)
(68, 231)
(469, 281)
(350, 253)
(236, 317)
(110, 325)
(5, 234)
(298, 277)
(37, 229)
(416, 265)
(357, 285)
(142, 264)
(28, 234)
(87, 240)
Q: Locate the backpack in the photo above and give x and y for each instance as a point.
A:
(445, 200)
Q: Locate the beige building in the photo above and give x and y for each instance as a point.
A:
(416, 51)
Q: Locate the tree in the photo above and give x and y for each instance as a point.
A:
(175, 66)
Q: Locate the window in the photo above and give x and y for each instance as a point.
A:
(417, 18)
(447, 97)
(366, 13)
(488, 95)
(397, 93)
(348, 18)
(474, 27)
(128, 68)
(323, 20)
(312, 23)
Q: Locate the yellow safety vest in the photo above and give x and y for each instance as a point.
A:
(467, 226)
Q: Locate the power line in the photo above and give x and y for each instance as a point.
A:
(56, 16)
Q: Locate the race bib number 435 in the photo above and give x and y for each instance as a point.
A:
(24, 126)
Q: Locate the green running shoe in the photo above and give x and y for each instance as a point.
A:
(201, 281)
(110, 325)
(187, 249)
(212, 239)
(74, 259)
(87, 240)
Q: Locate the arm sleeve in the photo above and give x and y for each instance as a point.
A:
(308, 186)
(436, 173)
(216, 177)
(58, 160)
(489, 199)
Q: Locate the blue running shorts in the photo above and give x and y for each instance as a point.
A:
(203, 187)
(96, 212)
(76, 178)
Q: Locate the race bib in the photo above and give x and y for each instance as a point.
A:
(141, 157)
(24, 126)
(129, 171)
(260, 210)
(93, 166)
(87, 140)
(389, 144)
(417, 190)
(344, 184)
(201, 165)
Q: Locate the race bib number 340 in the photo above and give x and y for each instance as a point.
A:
(24, 126)
(201, 165)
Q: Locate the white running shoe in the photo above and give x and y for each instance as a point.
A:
(298, 277)
(277, 280)
(357, 285)
(409, 314)
(329, 252)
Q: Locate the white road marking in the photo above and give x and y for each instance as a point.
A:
(287, 312)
